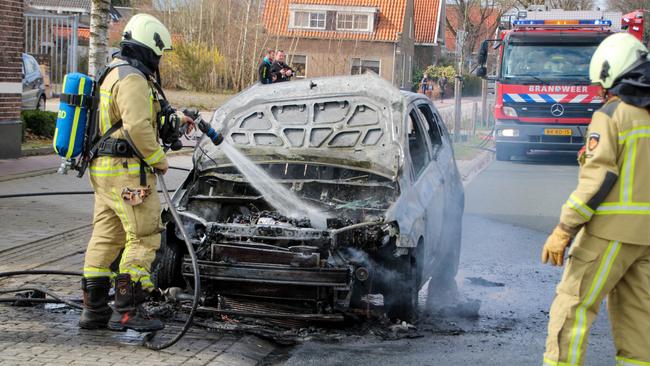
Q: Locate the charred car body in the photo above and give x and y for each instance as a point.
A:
(376, 161)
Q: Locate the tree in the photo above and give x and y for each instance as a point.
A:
(477, 18)
(626, 6)
(558, 4)
(98, 47)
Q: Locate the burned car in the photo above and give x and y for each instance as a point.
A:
(379, 196)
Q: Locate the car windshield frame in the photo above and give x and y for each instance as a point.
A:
(555, 58)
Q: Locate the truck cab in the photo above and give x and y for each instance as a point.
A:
(544, 100)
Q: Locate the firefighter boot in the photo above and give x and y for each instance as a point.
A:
(96, 312)
(127, 313)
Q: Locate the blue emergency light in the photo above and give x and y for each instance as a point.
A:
(594, 22)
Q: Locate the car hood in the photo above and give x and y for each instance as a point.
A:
(351, 121)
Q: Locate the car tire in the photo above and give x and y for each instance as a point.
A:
(40, 105)
(503, 153)
(401, 291)
(166, 269)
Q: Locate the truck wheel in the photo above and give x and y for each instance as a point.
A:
(401, 290)
(166, 269)
(503, 153)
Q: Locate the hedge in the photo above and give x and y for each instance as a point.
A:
(41, 123)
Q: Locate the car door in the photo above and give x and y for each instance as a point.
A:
(452, 201)
(427, 184)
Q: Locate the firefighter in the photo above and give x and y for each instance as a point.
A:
(127, 207)
(609, 215)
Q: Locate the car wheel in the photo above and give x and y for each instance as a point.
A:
(503, 153)
(402, 288)
(40, 105)
(166, 269)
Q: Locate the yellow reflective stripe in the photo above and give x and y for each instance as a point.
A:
(636, 132)
(75, 121)
(627, 172)
(93, 272)
(621, 361)
(580, 207)
(580, 324)
(56, 133)
(548, 362)
(155, 157)
(133, 169)
(104, 116)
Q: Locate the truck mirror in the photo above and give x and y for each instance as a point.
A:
(481, 72)
(483, 53)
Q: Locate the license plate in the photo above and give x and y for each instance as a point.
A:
(558, 131)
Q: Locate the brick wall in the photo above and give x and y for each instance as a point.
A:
(12, 45)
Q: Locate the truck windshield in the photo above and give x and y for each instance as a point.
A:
(547, 62)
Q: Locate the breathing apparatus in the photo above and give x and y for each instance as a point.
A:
(77, 138)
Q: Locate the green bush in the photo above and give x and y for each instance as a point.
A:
(436, 72)
(41, 123)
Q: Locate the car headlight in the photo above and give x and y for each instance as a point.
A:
(508, 132)
(509, 111)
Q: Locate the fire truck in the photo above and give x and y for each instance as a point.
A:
(544, 100)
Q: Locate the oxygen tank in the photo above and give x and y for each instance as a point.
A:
(75, 101)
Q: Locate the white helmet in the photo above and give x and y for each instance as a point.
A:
(145, 30)
(617, 55)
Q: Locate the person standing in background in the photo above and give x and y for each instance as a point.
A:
(264, 70)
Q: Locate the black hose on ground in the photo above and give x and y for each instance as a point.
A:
(40, 272)
(148, 341)
(43, 290)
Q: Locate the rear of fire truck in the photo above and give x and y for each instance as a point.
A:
(544, 100)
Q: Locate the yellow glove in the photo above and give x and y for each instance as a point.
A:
(556, 244)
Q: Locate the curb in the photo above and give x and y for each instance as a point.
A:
(468, 171)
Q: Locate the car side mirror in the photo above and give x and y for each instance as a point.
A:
(483, 53)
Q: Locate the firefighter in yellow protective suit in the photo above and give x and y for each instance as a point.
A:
(610, 213)
(127, 206)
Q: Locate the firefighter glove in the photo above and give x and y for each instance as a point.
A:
(555, 245)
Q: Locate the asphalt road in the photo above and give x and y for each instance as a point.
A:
(510, 209)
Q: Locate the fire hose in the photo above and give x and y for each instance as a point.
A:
(216, 138)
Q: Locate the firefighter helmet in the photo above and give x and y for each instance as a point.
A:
(616, 56)
(145, 30)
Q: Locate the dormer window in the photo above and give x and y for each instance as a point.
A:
(332, 17)
(352, 22)
(308, 19)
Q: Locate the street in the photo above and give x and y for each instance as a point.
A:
(510, 209)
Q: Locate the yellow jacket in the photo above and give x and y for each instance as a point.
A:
(613, 194)
(126, 94)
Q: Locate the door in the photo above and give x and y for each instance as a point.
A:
(428, 184)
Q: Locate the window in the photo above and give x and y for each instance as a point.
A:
(360, 66)
(30, 65)
(352, 22)
(299, 64)
(417, 144)
(308, 20)
(433, 122)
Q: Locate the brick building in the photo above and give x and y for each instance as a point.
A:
(11, 87)
(343, 37)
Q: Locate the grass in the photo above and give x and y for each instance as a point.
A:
(474, 145)
(199, 100)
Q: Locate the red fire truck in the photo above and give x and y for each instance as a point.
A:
(544, 100)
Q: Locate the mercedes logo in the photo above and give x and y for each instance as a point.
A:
(557, 110)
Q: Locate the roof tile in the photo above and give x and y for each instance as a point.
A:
(426, 19)
(390, 19)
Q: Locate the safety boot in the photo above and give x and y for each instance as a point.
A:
(96, 312)
(127, 313)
